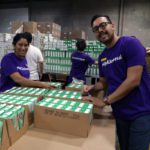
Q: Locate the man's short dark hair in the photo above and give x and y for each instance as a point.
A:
(29, 36)
(97, 16)
(81, 44)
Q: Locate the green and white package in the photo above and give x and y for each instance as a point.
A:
(1, 132)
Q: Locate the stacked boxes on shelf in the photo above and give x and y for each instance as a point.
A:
(50, 27)
(58, 54)
(65, 116)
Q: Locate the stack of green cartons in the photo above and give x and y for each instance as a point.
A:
(58, 59)
(74, 87)
(15, 123)
(27, 91)
(70, 95)
(57, 85)
(19, 100)
(16, 113)
(1, 131)
(66, 105)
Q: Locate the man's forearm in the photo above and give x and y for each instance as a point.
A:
(124, 89)
(98, 86)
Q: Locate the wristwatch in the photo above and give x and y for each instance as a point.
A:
(106, 100)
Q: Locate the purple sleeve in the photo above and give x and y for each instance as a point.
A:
(8, 66)
(101, 74)
(90, 60)
(134, 53)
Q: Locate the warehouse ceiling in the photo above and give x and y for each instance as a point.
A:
(18, 1)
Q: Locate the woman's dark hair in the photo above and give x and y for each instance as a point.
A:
(29, 36)
(81, 44)
(97, 16)
(19, 36)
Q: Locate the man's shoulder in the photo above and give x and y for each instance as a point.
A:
(34, 47)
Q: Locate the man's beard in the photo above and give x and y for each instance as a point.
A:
(108, 42)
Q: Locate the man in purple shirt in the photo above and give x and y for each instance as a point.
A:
(80, 62)
(122, 68)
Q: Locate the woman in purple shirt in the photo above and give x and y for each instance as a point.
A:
(14, 68)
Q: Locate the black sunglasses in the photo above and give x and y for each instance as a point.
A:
(101, 26)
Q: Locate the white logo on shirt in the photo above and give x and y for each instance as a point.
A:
(78, 58)
(110, 61)
(22, 68)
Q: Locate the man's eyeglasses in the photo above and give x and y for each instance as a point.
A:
(101, 26)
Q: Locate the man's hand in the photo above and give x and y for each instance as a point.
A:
(87, 88)
(97, 102)
(47, 86)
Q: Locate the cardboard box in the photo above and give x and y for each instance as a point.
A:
(80, 34)
(25, 91)
(15, 128)
(61, 77)
(74, 87)
(30, 27)
(66, 121)
(67, 95)
(64, 35)
(49, 27)
(16, 25)
(5, 144)
(13, 134)
(27, 102)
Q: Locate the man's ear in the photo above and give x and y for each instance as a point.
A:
(113, 26)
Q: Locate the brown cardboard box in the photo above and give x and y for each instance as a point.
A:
(64, 36)
(64, 121)
(80, 34)
(41, 26)
(61, 77)
(73, 89)
(5, 140)
(49, 27)
(13, 134)
(16, 25)
(30, 27)
(77, 35)
(30, 116)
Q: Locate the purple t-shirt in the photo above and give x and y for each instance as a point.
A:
(113, 65)
(80, 62)
(11, 64)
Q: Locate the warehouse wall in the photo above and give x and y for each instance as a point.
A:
(131, 17)
(74, 15)
(137, 20)
(9, 15)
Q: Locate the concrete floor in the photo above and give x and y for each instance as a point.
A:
(101, 137)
